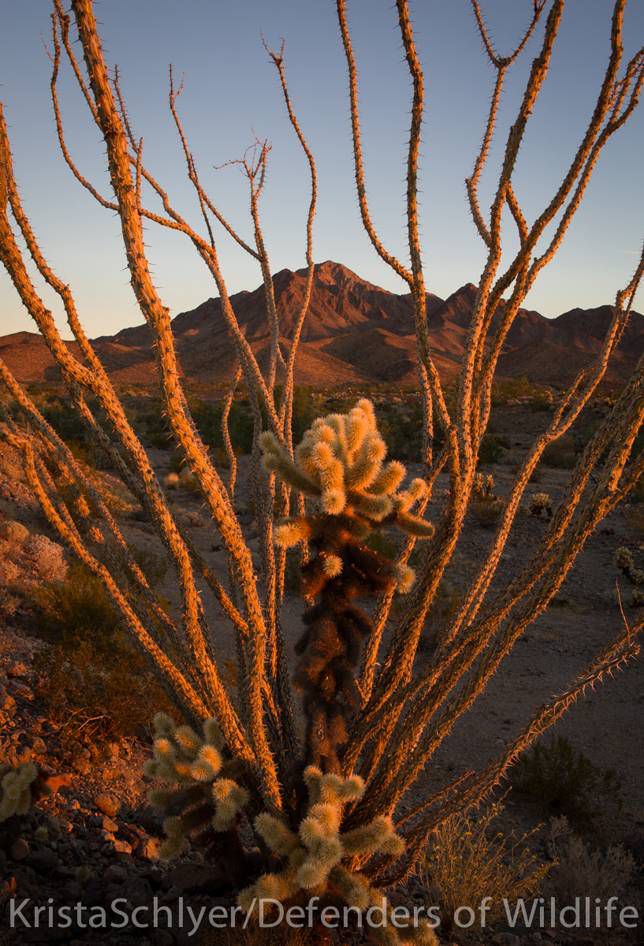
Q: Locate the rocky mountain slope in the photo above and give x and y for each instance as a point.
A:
(355, 332)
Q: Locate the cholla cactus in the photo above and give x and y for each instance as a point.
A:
(340, 462)
(484, 486)
(16, 790)
(624, 560)
(203, 797)
(540, 505)
(626, 564)
(321, 858)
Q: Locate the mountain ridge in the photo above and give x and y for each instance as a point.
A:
(355, 332)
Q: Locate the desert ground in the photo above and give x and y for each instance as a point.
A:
(96, 834)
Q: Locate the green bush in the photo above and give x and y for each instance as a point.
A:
(562, 454)
(564, 781)
(91, 672)
(493, 448)
(305, 410)
(513, 389)
(207, 416)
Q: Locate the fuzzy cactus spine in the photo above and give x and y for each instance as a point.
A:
(340, 463)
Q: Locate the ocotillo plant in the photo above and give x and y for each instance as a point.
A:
(253, 774)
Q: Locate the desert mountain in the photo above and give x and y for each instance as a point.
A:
(355, 332)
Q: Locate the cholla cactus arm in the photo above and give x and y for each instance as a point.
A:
(204, 798)
(340, 462)
(321, 857)
(16, 790)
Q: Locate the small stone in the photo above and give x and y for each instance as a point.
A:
(148, 848)
(21, 691)
(109, 825)
(122, 847)
(115, 874)
(7, 702)
(108, 804)
(81, 764)
(17, 669)
(112, 750)
(45, 860)
(19, 849)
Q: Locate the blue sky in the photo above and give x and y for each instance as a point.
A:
(231, 94)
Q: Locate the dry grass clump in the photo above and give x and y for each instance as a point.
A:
(468, 860)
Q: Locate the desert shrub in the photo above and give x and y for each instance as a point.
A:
(541, 400)
(493, 448)
(402, 428)
(305, 410)
(505, 390)
(564, 781)
(152, 565)
(446, 603)
(634, 518)
(151, 424)
(561, 454)
(468, 860)
(65, 420)
(483, 486)
(91, 670)
(540, 505)
(207, 417)
(582, 871)
(485, 506)
(75, 607)
(14, 533)
(626, 564)
(486, 512)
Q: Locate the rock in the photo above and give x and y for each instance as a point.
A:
(39, 746)
(81, 763)
(112, 750)
(21, 691)
(164, 938)
(17, 669)
(109, 825)
(20, 849)
(138, 891)
(7, 702)
(115, 874)
(148, 848)
(108, 804)
(506, 939)
(45, 861)
(122, 847)
(193, 878)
